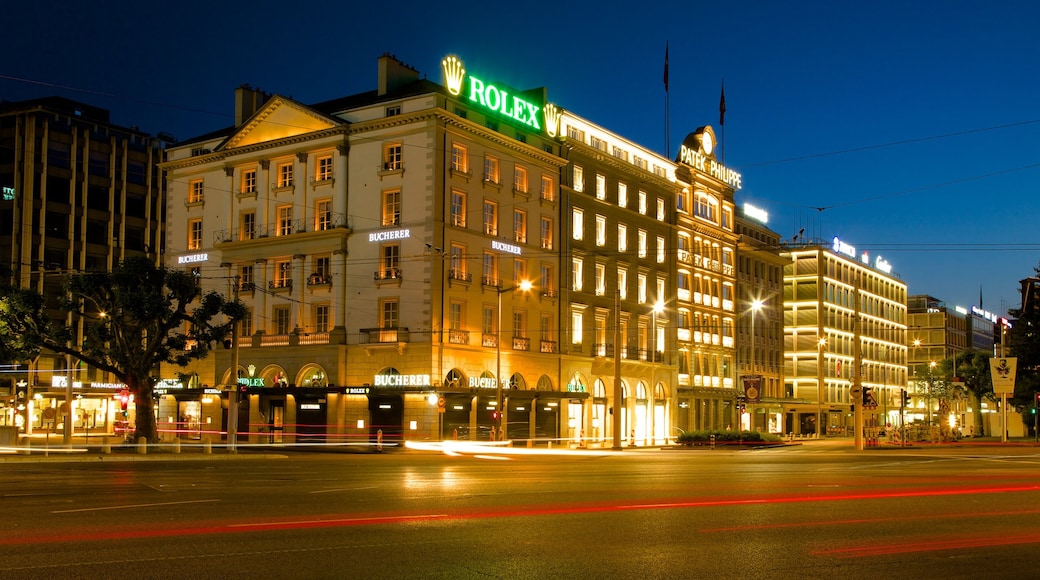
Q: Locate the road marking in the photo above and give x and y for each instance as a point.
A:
(140, 505)
(338, 521)
(345, 489)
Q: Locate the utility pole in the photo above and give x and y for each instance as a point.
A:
(232, 428)
(857, 378)
(617, 371)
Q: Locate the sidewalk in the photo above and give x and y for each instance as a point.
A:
(50, 447)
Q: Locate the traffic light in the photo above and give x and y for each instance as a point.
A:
(494, 415)
(906, 398)
(742, 408)
(867, 397)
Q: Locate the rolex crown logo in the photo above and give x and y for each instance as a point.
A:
(552, 119)
(453, 74)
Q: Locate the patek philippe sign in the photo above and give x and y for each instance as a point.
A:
(1002, 371)
(698, 152)
(521, 107)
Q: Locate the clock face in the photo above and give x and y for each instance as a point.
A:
(706, 143)
(752, 393)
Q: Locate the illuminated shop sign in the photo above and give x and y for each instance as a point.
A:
(60, 381)
(483, 382)
(357, 390)
(756, 213)
(849, 250)
(192, 258)
(390, 235)
(499, 99)
(8, 193)
(984, 313)
(251, 381)
(698, 151)
(504, 247)
(310, 406)
(402, 380)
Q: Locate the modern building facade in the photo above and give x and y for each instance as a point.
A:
(845, 329)
(79, 194)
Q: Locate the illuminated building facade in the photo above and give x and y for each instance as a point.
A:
(79, 193)
(707, 297)
(619, 276)
(843, 311)
(760, 278)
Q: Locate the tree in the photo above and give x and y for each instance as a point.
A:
(134, 318)
(972, 368)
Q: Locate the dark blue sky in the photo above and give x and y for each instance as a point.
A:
(915, 125)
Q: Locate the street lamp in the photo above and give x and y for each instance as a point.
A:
(819, 384)
(756, 305)
(654, 312)
(523, 286)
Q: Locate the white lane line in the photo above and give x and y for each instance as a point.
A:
(339, 521)
(140, 505)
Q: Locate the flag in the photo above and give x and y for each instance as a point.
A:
(666, 66)
(722, 105)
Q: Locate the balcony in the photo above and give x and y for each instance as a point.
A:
(489, 340)
(491, 281)
(387, 274)
(283, 284)
(460, 275)
(550, 293)
(374, 338)
(521, 343)
(458, 337)
(547, 346)
(319, 280)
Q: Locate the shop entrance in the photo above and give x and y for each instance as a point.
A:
(386, 414)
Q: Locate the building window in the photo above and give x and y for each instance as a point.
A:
(598, 143)
(322, 273)
(393, 110)
(392, 156)
(639, 162)
(547, 280)
(622, 238)
(284, 220)
(575, 134)
(546, 233)
(321, 318)
(601, 186)
(491, 170)
(682, 201)
(642, 202)
(323, 215)
(548, 191)
(323, 168)
(391, 208)
(491, 269)
(727, 219)
(285, 175)
(195, 234)
(601, 279)
(459, 160)
(576, 324)
(248, 230)
(458, 209)
(622, 194)
(457, 262)
(578, 224)
(490, 218)
(684, 249)
(545, 327)
(487, 322)
(390, 262)
(519, 271)
(641, 241)
(576, 274)
(248, 184)
(519, 324)
(245, 326)
(520, 179)
(620, 153)
(706, 208)
(390, 314)
(455, 315)
(641, 288)
(660, 209)
(281, 320)
(195, 191)
(282, 274)
(601, 230)
(245, 278)
(622, 283)
(660, 250)
(578, 178)
(520, 226)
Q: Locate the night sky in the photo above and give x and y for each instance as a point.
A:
(908, 129)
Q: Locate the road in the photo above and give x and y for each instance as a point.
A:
(810, 511)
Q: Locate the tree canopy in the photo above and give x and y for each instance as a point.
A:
(133, 318)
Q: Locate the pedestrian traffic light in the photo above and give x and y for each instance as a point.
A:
(494, 415)
(867, 397)
(906, 398)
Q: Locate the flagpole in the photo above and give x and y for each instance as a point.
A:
(722, 122)
(667, 108)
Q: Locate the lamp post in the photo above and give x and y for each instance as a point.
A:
(756, 305)
(523, 286)
(654, 312)
(820, 425)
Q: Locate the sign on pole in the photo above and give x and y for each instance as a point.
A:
(1002, 370)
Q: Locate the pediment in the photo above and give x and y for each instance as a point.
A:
(278, 118)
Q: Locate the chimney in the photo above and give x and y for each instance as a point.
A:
(247, 101)
(394, 74)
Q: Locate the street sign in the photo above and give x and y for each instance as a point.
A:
(1002, 370)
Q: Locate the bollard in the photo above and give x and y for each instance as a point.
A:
(712, 439)
(106, 445)
(177, 445)
(550, 444)
(142, 445)
(26, 447)
(207, 445)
